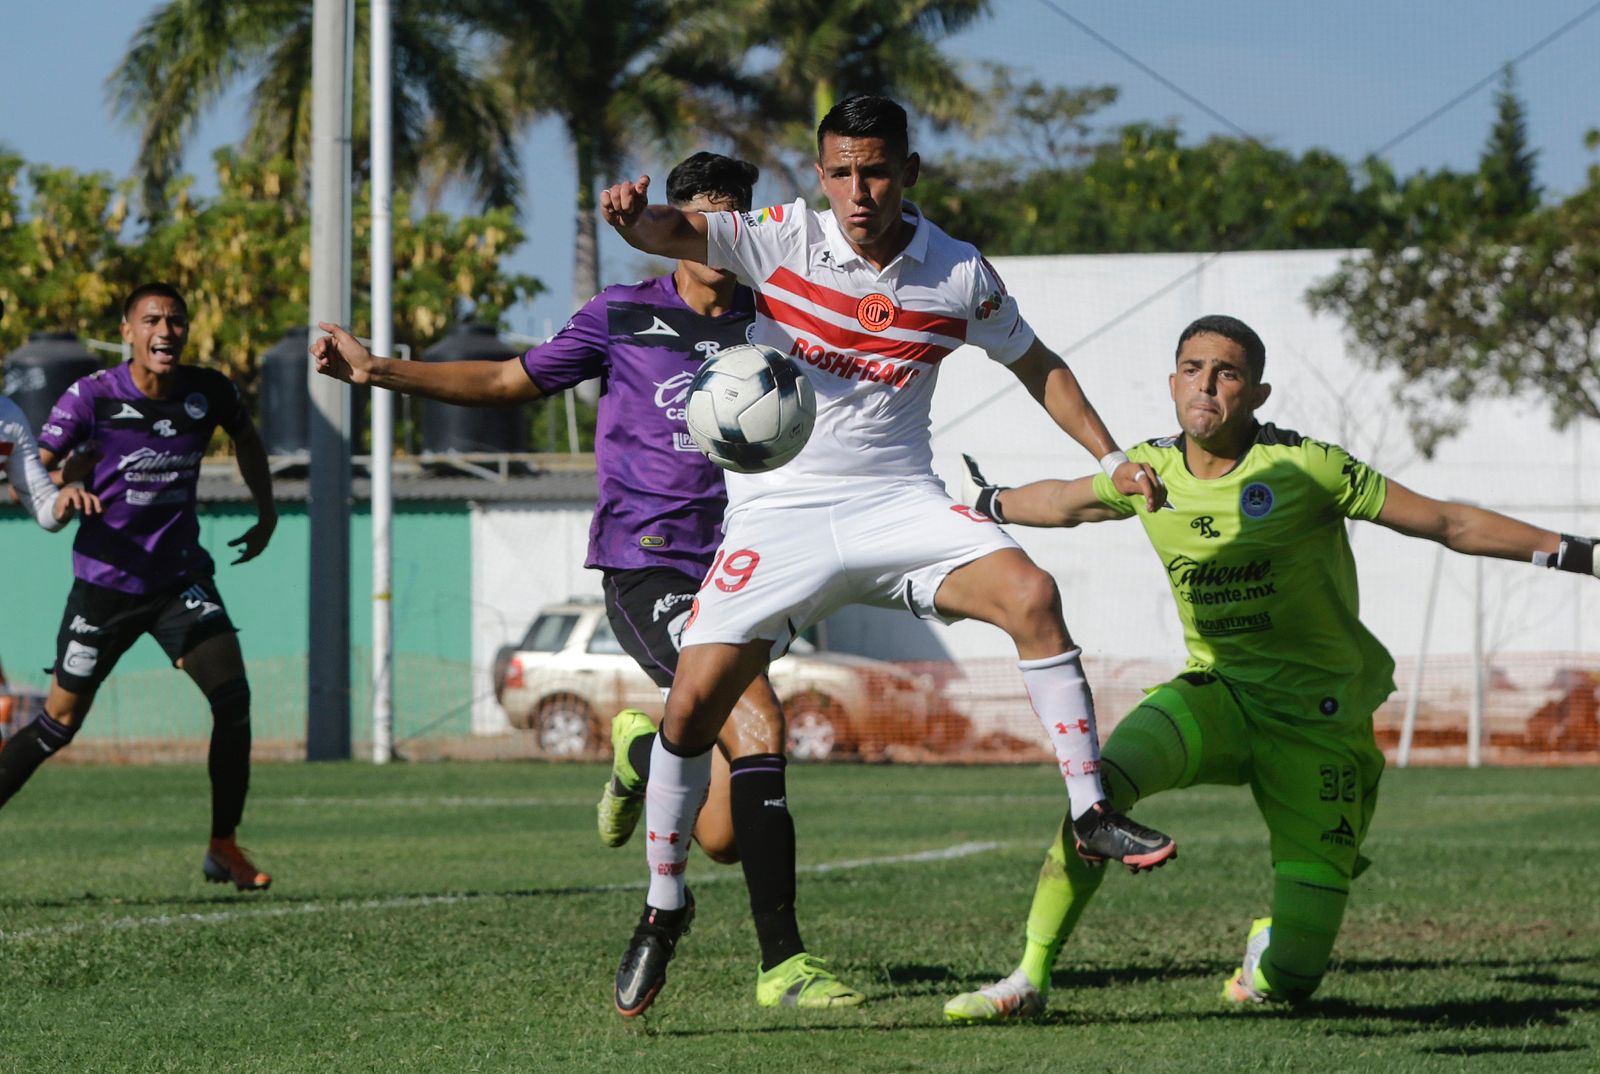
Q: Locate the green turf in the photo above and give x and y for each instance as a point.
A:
(463, 918)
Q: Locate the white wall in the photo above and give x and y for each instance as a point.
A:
(524, 556)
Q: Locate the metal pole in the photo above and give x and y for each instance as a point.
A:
(1475, 715)
(328, 664)
(1414, 695)
(382, 400)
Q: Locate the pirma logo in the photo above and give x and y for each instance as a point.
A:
(1343, 835)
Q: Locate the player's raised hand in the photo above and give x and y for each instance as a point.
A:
(75, 500)
(341, 356)
(1138, 479)
(623, 204)
(253, 541)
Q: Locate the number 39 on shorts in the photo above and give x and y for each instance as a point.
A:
(731, 571)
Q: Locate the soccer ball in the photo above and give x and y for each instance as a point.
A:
(750, 408)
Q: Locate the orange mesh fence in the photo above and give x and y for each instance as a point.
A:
(1537, 708)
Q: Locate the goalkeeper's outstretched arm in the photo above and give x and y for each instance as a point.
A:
(1475, 531)
(1042, 503)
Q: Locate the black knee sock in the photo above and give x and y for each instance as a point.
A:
(28, 749)
(765, 831)
(228, 763)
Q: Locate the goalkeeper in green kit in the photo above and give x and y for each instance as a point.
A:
(1282, 678)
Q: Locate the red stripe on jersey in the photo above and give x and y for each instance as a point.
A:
(843, 339)
(839, 302)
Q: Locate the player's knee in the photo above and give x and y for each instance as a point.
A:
(723, 853)
(230, 703)
(1120, 790)
(1034, 593)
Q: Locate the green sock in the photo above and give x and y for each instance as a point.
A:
(1065, 887)
(1145, 754)
(1308, 902)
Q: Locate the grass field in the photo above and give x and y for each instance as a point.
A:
(457, 917)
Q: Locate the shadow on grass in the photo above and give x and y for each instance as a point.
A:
(1504, 1049)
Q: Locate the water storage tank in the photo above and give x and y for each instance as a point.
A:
(285, 402)
(472, 429)
(41, 369)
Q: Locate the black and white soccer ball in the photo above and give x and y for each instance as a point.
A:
(750, 408)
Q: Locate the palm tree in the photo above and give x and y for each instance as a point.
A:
(617, 74)
(449, 122)
(826, 50)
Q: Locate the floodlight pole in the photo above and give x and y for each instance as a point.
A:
(328, 664)
(382, 399)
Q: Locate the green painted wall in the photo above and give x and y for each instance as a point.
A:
(147, 698)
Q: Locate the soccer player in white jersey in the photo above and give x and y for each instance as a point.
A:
(30, 482)
(869, 298)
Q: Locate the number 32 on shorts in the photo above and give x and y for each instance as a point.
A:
(731, 571)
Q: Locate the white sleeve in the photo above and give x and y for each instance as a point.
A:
(994, 321)
(24, 470)
(753, 245)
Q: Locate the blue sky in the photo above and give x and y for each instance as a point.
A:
(1348, 77)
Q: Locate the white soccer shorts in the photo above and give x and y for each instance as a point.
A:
(783, 567)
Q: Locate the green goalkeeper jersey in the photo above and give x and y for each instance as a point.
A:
(1261, 569)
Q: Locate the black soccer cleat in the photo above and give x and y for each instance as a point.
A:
(644, 964)
(1102, 833)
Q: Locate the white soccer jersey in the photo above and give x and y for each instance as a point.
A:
(870, 341)
(23, 468)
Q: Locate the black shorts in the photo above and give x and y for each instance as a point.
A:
(100, 624)
(647, 607)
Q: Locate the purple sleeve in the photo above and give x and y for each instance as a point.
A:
(579, 352)
(71, 420)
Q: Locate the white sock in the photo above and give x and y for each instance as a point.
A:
(1061, 700)
(672, 801)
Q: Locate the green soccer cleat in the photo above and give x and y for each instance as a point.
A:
(1248, 984)
(804, 981)
(622, 801)
(1004, 1001)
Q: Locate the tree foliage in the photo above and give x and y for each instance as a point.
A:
(1499, 298)
(1470, 316)
(449, 122)
(241, 258)
(623, 77)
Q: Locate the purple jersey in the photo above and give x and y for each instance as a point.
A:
(661, 500)
(148, 537)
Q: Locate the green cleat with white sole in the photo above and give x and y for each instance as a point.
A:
(622, 801)
(1008, 1000)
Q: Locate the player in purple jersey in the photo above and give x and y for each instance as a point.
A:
(139, 567)
(656, 529)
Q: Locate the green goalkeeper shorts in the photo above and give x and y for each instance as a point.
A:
(1316, 787)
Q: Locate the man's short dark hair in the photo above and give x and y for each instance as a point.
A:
(867, 116)
(713, 175)
(156, 289)
(1220, 324)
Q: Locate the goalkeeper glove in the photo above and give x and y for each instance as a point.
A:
(978, 493)
(1575, 554)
